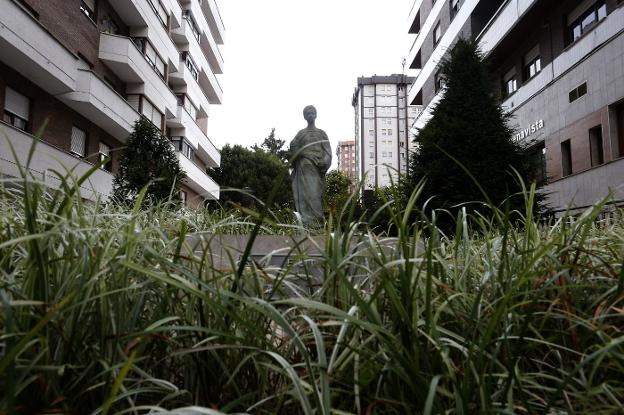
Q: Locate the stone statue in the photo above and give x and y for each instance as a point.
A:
(311, 157)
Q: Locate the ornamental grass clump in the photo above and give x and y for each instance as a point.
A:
(107, 310)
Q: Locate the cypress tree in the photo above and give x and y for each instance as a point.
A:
(468, 124)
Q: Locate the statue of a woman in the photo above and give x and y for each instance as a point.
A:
(311, 157)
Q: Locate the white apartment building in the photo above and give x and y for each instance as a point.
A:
(558, 65)
(382, 120)
(91, 68)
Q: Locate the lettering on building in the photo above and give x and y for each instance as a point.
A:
(530, 130)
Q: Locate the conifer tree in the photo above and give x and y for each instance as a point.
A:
(468, 124)
(148, 158)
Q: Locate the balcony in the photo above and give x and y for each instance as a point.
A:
(47, 159)
(204, 89)
(208, 43)
(123, 57)
(502, 23)
(27, 47)
(213, 17)
(143, 22)
(99, 103)
(198, 180)
(185, 126)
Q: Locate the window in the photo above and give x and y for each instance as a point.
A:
(437, 34)
(619, 116)
(578, 92)
(151, 56)
(510, 83)
(184, 147)
(566, 158)
(192, 25)
(439, 81)
(190, 65)
(160, 11)
(595, 146)
(389, 131)
(584, 18)
(371, 111)
(371, 132)
(183, 196)
(78, 143)
(390, 154)
(104, 153)
(88, 8)
(455, 5)
(184, 101)
(372, 155)
(151, 113)
(16, 109)
(532, 63)
(384, 154)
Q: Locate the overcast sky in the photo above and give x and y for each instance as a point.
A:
(281, 55)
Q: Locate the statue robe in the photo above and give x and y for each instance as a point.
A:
(311, 153)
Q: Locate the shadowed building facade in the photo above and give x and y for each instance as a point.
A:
(559, 67)
(91, 68)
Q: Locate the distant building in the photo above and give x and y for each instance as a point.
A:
(560, 75)
(91, 68)
(347, 158)
(382, 121)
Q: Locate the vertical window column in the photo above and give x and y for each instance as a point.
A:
(566, 158)
(16, 109)
(596, 146)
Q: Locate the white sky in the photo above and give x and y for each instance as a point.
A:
(281, 55)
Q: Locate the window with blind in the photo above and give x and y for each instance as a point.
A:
(532, 63)
(160, 11)
(585, 17)
(185, 102)
(192, 25)
(103, 154)
(510, 83)
(151, 56)
(190, 65)
(88, 8)
(78, 143)
(16, 109)
(151, 113)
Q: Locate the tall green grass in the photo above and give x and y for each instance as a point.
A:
(106, 310)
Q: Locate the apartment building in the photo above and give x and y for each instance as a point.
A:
(382, 120)
(81, 72)
(559, 66)
(347, 160)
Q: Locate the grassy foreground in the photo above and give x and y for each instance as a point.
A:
(104, 311)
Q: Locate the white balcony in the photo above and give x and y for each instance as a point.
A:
(122, 56)
(144, 22)
(99, 103)
(202, 91)
(45, 161)
(213, 17)
(29, 49)
(198, 180)
(184, 126)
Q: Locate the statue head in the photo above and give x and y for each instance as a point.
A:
(309, 113)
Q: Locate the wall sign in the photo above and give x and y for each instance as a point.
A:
(531, 129)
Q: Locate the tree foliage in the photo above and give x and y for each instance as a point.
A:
(249, 174)
(470, 126)
(148, 159)
(337, 191)
(273, 145)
